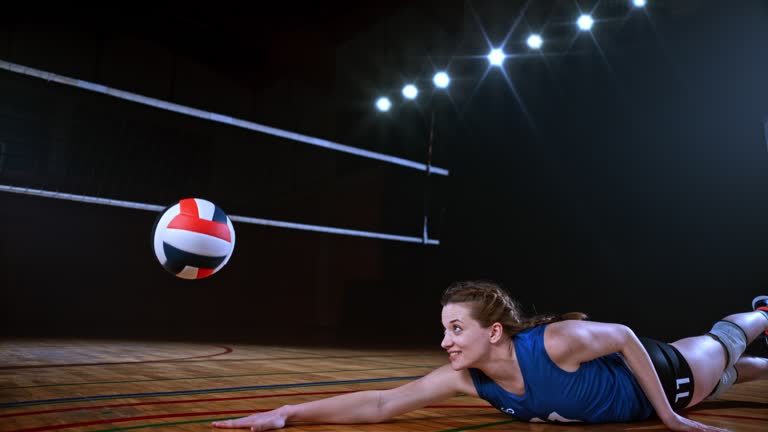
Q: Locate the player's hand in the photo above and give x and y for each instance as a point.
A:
(256, 422)
(682, 424)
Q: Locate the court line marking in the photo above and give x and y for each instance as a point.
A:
(208, 420)
(201, 391)
(366, 356)
(486, 425)
(213, 420)
(183, 401)
(218, 118)
(226, 349)
(215, 377)
(480, 426)
(730, 416)
(250, 411)
(171, 402)
(187, 414)
(127, 419)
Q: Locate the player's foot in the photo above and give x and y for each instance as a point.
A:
(760, 303)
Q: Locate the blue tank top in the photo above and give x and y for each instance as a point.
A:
(600, 391)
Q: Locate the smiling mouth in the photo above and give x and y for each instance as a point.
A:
(453, 355)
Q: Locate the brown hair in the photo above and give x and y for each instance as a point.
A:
(489, 303)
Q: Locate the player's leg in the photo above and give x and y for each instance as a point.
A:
(713, 357)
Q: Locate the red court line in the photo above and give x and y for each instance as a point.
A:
(194, 359)
(227, 350)
(129, 419)
(176, 415)
(728, 416)
(251, 411)
(122, 405)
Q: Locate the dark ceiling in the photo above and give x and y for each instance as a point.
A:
(227, 35)
(337, 20)
(297, 39)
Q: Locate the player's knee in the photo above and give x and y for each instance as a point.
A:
(732, 337)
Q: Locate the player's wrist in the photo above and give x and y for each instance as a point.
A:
(669, 418)
(287, 412)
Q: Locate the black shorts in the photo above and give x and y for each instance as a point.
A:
(673, 370)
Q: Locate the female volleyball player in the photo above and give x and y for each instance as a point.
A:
(553, 368)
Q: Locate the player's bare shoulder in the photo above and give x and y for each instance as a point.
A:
(556, 332)
(459, 380)
(561, 340)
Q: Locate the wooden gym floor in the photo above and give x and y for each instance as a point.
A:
(58, 385)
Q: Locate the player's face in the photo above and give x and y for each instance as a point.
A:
(464, 339)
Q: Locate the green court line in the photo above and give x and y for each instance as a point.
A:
(212, 377)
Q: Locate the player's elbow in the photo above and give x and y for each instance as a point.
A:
(624, 330)
(391, 403)
(379, 413)
(624, 335)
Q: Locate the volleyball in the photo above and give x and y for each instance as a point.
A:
(193, 238)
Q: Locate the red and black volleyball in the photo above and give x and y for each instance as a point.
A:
(193, 238)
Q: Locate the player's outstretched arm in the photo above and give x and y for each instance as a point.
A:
(370, 406)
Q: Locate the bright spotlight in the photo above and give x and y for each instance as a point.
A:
(441, 80)
(383, 104)
(585, 22)
(534, 41)
(496, 57)
(410, 91)
(639, 3)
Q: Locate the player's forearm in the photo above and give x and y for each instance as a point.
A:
(640, 363)
(359, 407)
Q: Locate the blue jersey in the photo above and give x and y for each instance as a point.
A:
(601, 390)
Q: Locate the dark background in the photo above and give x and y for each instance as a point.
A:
(622, 174)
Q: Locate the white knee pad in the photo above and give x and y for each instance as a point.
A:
(726, 381)
(733, 338)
